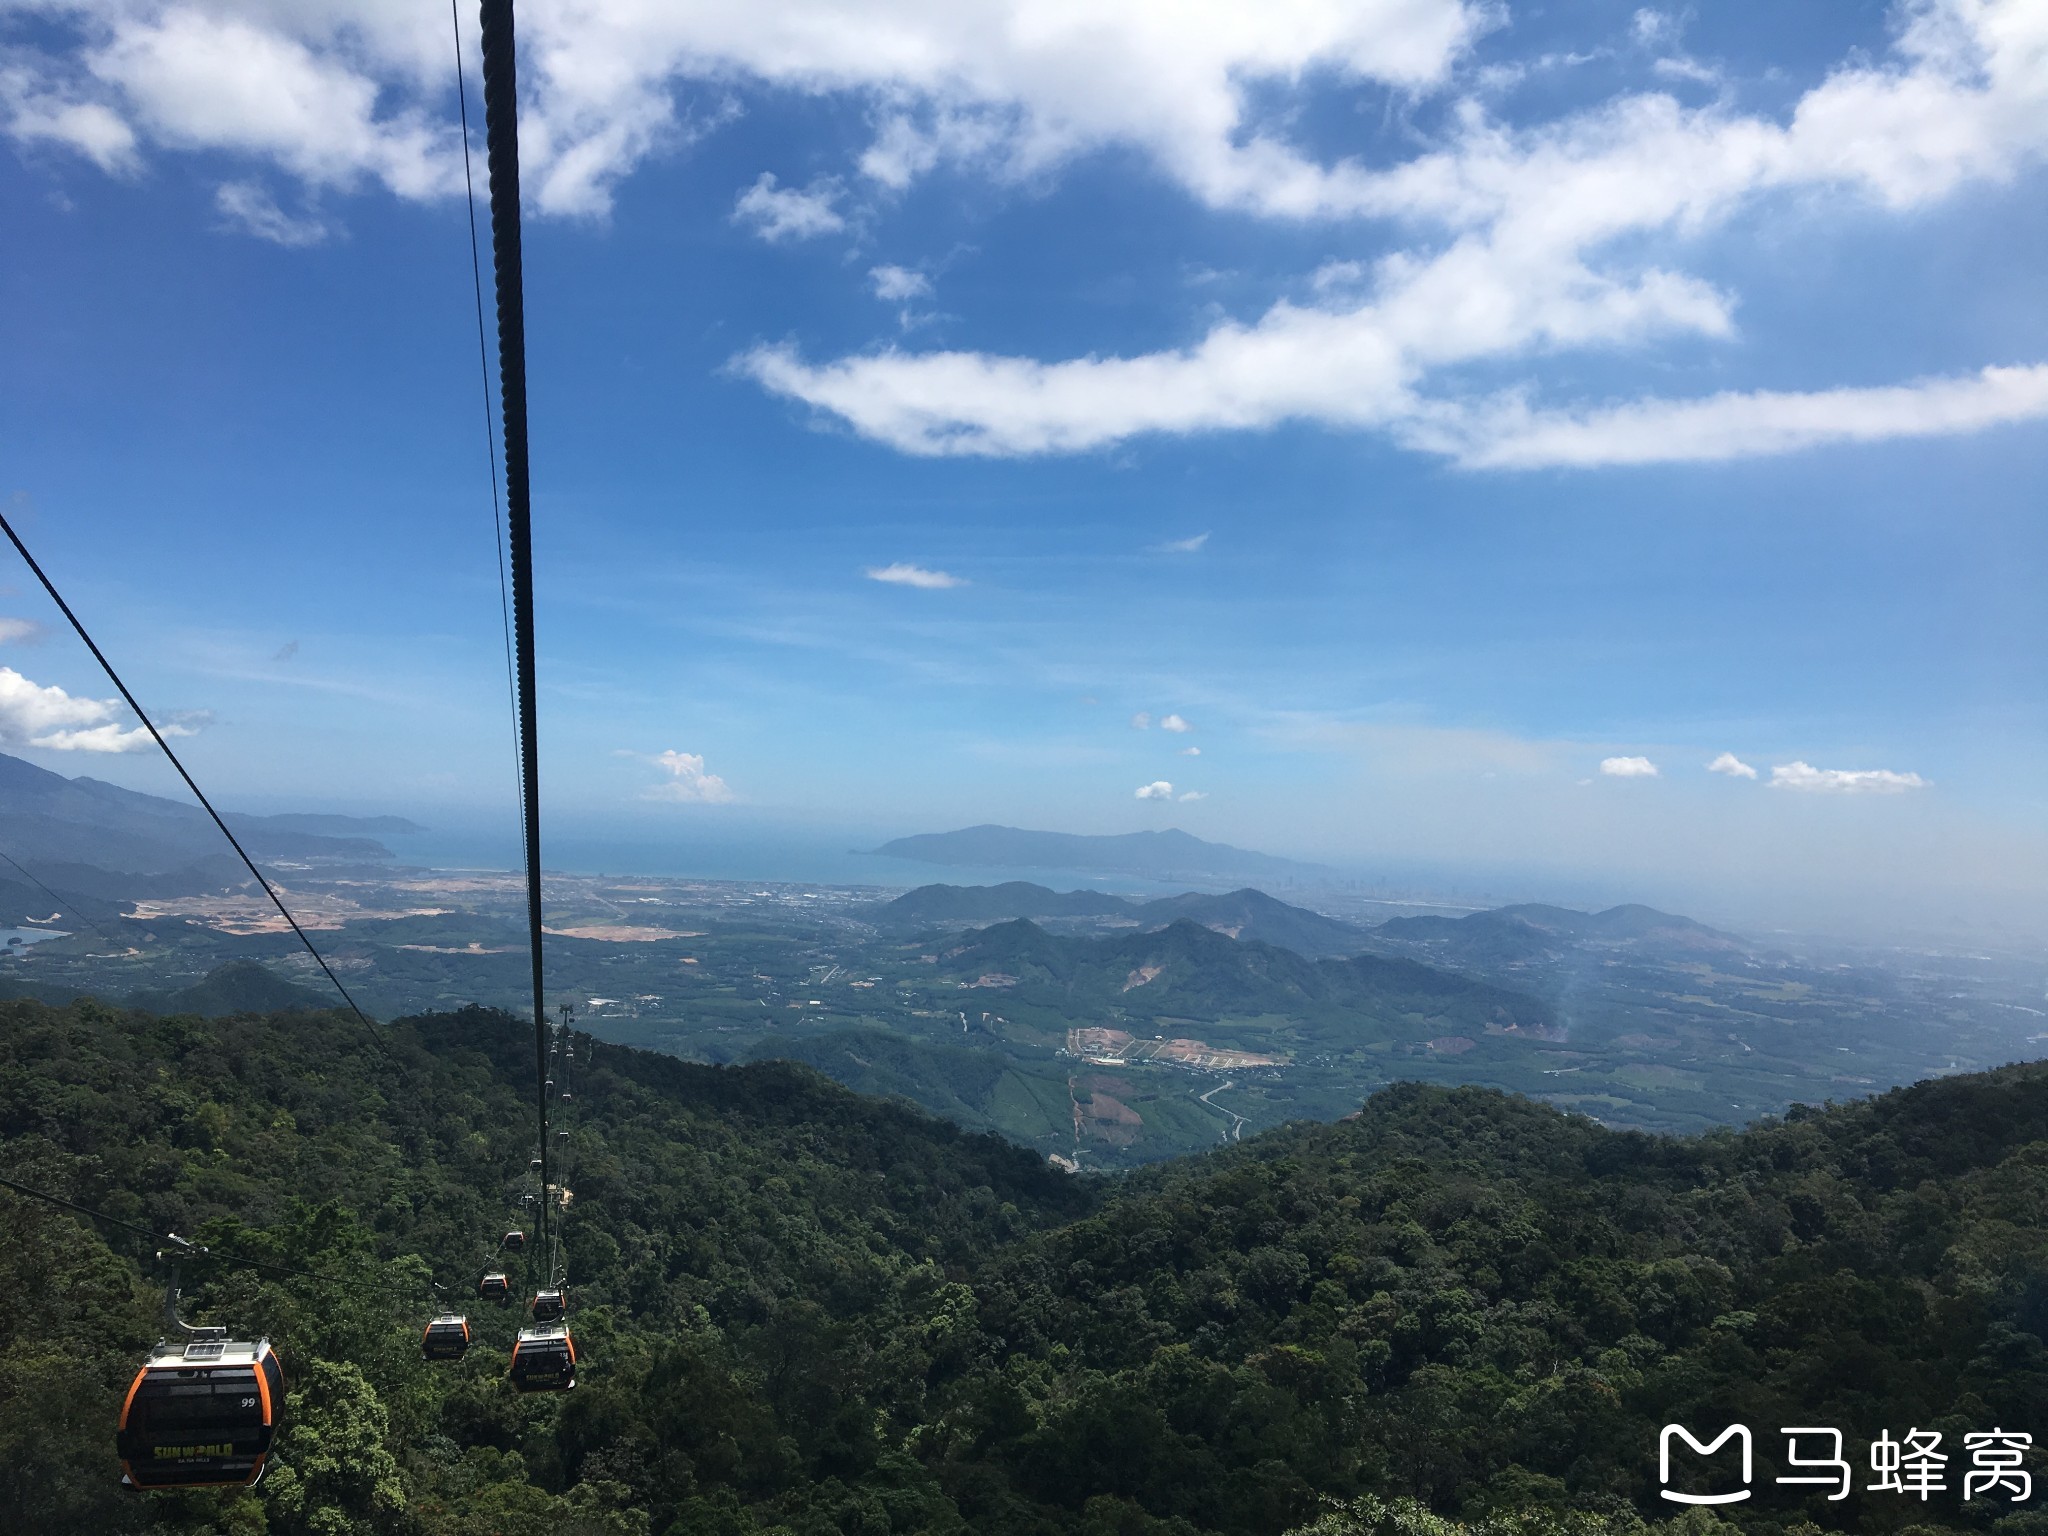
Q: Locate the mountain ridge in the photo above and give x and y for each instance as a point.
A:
(1168, 854)
(96, 836)
(1244, 913)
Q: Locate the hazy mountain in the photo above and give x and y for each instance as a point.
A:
(70, 828)
(1534, 932)
(1168, 855)
(1243, 914)
(330, 826)
(995, 904)
(1250, 914)
(239, 986)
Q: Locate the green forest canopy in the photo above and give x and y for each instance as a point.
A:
(802, 1311)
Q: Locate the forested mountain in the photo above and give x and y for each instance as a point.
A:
(994, 904)
(801, 1311)
(1242, 914)
(1252, 914)
(1190, 972)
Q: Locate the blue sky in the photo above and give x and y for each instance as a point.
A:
(1447, 412)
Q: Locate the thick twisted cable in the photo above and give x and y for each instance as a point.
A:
(501, 139)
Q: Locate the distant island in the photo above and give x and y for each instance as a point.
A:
(1168, 855)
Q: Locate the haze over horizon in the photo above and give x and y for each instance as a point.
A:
(1590, 455)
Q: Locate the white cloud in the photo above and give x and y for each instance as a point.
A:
(36, 716)
(688, 783)
(1731, 765)
(1008, 87)
(1175, 724)
(1628, 768)
(1844, 781)
(248, 208)
(1507, 435)
(1188, 546)
(790, 213)
(1141, 721)
(205, 78)
(34, 113)
(1190, 751)
(902, 574)
(1194, 794)
(1498, 241)
(1158, 789)
(19, 631)
(1522, 241)
(896, 284)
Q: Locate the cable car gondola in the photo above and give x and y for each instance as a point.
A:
(544, 1360)
(514, 1242)
(200, 1414)
(446, 1338)
(495, 1286)
(550, 1305)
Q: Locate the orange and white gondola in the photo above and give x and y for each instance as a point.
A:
(445, 1338)
(544, 1360)
(200, 1414)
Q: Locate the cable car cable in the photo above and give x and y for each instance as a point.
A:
(114, 677)
(184, 1244)
(483, 362)
(501, 139)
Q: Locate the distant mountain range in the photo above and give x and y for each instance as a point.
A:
(1534, 933)
(104, 843)
(1244, 914)
(1168, 855)
(1187, 973)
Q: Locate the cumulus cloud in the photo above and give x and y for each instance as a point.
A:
(1010, 88)
(48, 717)
(246, 207)
(33, 113)
(1158, 789)
(902, 574)
(1195, 794)
(1175, 724)
(1506, 242)
(790, 213)
(1525, 240)
(1628, 768)
(1190, 751)
(19, 631)
(1187, 546)
(894, 285)
(1731, 765)
(688, 783)
(1844, 781)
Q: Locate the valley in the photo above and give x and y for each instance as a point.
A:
(1091, 1035)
